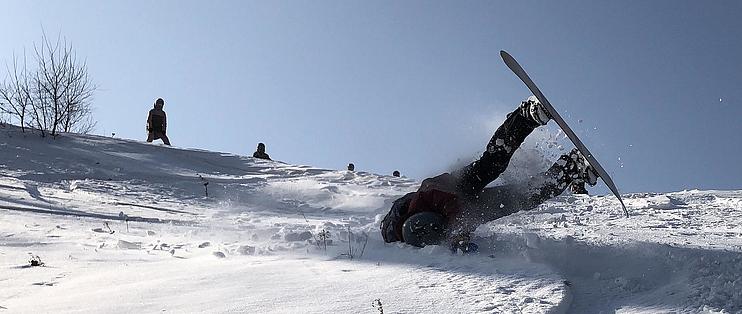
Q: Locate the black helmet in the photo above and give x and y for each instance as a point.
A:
(159, 103)
(426, 228)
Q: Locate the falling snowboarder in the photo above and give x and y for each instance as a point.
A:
(450, 206)
(157, 123)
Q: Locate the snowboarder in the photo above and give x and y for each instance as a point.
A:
(351, 167)
(260, 152)
(396, 173)
(157, 123)
(451, 205)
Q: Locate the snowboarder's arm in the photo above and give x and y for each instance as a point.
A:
(391, 225)
(436, 201)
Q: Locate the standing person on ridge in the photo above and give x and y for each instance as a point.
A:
(450, 206)
(157, 123)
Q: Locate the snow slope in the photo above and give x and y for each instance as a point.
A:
(125, 226)
(247, 247)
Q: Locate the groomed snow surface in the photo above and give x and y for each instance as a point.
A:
(123, 226)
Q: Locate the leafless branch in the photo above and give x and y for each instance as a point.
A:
(54, 97)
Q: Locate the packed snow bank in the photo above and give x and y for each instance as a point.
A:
(125, 226)
(679, 252)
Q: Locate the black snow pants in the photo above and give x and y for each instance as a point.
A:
(482, 204)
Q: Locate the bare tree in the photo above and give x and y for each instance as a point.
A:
(54, 97)
(78, 95)
(14, 93)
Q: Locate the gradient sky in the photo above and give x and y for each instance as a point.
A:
(414, 85)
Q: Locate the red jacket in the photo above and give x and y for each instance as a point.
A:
(435, 194)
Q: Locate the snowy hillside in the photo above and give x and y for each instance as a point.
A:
(126, 226)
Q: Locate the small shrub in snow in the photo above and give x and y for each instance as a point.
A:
(35, 260)
(353, 250)
(377, 305)
(125, 217)
(322, 238)
(205, 183)
(106, 229)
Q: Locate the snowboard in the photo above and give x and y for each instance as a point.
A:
(518, 70)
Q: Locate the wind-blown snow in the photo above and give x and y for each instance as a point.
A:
(125, 226)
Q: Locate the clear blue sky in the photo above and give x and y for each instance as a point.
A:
(414, 85)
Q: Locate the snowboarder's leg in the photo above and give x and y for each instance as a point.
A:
(493, 203)
(150, 137)
(501, 201)
(507, 138)
(165, 139)
(578, 188)
(571, 169)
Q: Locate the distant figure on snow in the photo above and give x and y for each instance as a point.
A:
(260, 153)
(395, 173)
(157, 123)
(351, 167)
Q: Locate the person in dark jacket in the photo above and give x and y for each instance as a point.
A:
(260, 152)
(396, 173)
(450, 206)
(351, 167)
(157, 123)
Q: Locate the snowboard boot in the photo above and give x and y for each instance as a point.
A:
(578, 188)
(582, 171)
(573, 171)
(532, 109)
